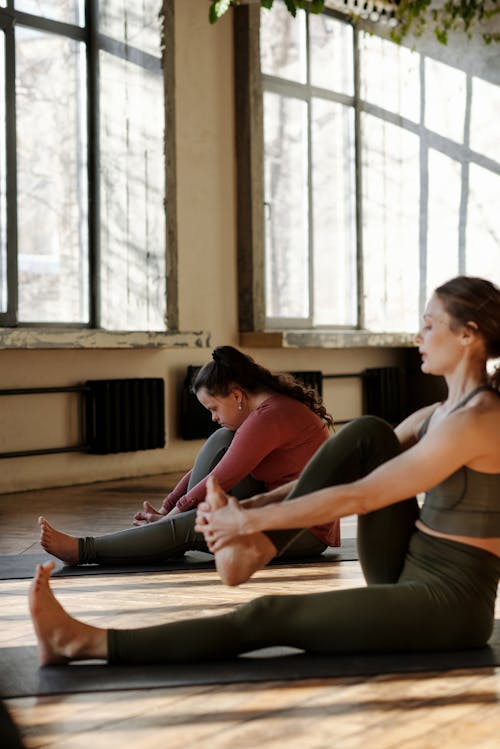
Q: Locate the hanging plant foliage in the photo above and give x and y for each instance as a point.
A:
(445, 17)
(412, 16)
(219, 7)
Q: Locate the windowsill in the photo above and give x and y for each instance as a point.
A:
(83, 338)
(325, 339)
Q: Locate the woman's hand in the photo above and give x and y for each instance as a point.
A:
(149, 514)
(221, 526)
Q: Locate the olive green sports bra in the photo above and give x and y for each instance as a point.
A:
(467, 503)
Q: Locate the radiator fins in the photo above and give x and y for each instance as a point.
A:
(125, 415)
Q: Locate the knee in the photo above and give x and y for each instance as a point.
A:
(370, 423)
(220, 439)
(371, 428)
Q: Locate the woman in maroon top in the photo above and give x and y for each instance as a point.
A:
(271, 426)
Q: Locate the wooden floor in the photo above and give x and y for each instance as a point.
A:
(447, 710)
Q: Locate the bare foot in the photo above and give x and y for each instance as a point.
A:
(238, 560)
(59, 544)
(60, 637)
(215, 497)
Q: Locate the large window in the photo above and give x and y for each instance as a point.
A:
(82, 178)
(381, 175)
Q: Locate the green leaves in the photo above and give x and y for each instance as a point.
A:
(413, 16)
(313, 6)
(316, 6)
(444, 18)
(219, 7)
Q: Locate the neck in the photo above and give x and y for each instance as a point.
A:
(460, 384)
(254, 400)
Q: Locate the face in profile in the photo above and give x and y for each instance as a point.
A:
(439, 346)
(223, 408)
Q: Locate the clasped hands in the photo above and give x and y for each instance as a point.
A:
(219, 526)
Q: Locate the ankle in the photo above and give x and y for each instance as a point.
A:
(85, 552)
(85, 642)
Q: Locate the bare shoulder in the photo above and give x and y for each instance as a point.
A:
(479, 427)
(483, 411)
(408, 431)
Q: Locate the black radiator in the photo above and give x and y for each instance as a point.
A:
(384, 393)
(196, 421)
(124, 415)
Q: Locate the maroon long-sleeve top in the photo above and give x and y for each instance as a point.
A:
(273, 445)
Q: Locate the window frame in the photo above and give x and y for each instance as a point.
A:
(89, 333)
(255, 328)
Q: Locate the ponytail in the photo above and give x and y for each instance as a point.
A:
(230, 367)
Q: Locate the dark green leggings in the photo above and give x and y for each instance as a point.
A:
(423, 593)
(172, 537)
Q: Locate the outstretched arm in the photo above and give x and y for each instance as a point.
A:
(268, 498)
(253, 441)
(416, 470)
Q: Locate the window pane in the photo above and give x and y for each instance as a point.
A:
(52, 187)
(483, 230)
(132, 196)
(133, 23)
(283, 43)
(443, 213)
(286, 199)
(66, 11)
(444, 100)
(484, 119)
(331, 54)
(335, 277)
(3, 174)
(390, 178)
(390, 76)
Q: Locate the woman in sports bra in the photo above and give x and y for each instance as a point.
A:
(431, 574)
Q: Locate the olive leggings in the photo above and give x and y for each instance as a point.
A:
(423, 593)
(172, 537)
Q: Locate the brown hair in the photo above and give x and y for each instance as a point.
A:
(468, 299)
(230, 367)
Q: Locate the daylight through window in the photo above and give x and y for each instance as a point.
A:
(381, 175)
(82, 126)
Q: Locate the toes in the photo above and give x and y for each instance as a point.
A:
(42, 573)
(213, 484)
(44, 524)
(45, 569)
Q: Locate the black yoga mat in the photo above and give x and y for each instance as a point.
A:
(21, 566)
(20, 675)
